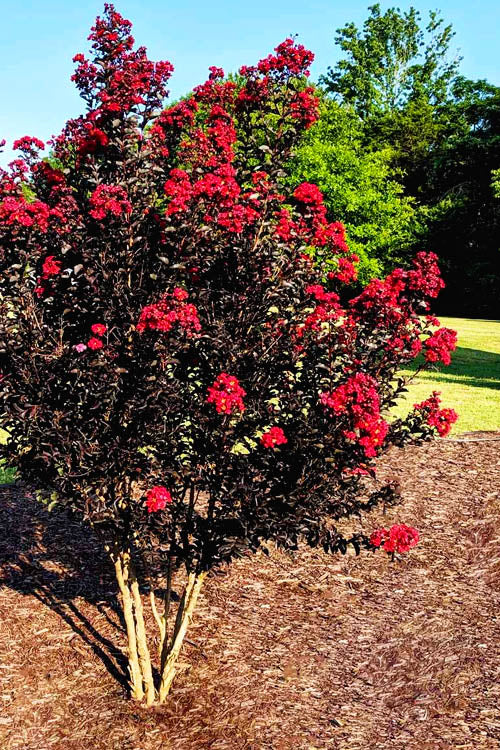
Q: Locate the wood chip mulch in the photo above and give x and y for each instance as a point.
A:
(303, 653)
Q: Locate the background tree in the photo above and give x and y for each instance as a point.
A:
(173, 371)
(457, 185)
(441, 131)
(361, 186)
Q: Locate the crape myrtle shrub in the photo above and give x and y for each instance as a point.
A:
(175, 368)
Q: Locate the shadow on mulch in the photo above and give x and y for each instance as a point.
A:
(54, 559)
(310, 652)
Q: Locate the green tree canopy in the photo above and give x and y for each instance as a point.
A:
(360, 187)
(392, 62)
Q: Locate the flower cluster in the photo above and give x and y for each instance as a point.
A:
(387, 299)
(109, 199)
(163, 315)
(304, 107)
(358, 399)
(16, 212)
(129, 80)
(425, 278)
(314, 229)
(440, 419)
(50, 267)
(290, 58)
(273, 437)
(399, 538)
(327, 309)
(226, 394)
(439, 345)
(99, 329)
(29, 146)
(309, 194)
(171, 121)
(157, 498)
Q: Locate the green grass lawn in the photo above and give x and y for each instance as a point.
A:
(471, 383)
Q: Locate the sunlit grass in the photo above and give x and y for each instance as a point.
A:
(471, 384)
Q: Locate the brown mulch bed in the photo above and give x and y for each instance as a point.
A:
(285, 654)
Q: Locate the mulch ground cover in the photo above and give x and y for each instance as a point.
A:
(284, 653)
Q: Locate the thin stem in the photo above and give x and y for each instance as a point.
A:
(189, 518)
(190, 598)
(159, 620)
(178, 621)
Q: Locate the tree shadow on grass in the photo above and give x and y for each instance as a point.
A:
(471, 367)
(58, 561)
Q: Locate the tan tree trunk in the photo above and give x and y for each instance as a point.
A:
(140, 669)
(142, 642)
(188, 604)
(122, 576)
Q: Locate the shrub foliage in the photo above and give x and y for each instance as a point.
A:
(176, 369)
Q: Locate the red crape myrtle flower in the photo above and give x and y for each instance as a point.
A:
(399, 538)
(51, 267)
(227, 394)
(109, 199)
(273, 437)
(441, 419)
(17, 212)
(180, 294)
(308, 193)
(157, 498)
(27, 143)
(163, 315)
(358, 399)
(94, 343)
(439, 345)
(29, 146)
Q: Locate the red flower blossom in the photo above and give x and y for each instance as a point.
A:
(359, 401)
(309, 194)
(109, 200)
(94, 139)
(227, 394)
(178, 187)
(273, 437)
(51, 267)
(305, 107)
(180, 294)
(94, 343)
(28, 144)
(99, 329)
(290, 59)
(426, 277)
(439, 345)
(399, 538)
(157, 498)
(17, 212)
(163, 315)
(441, 419)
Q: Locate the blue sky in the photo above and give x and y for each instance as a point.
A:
(38, 38)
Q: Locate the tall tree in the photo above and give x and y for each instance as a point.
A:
(397, 74)
(393, 61)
